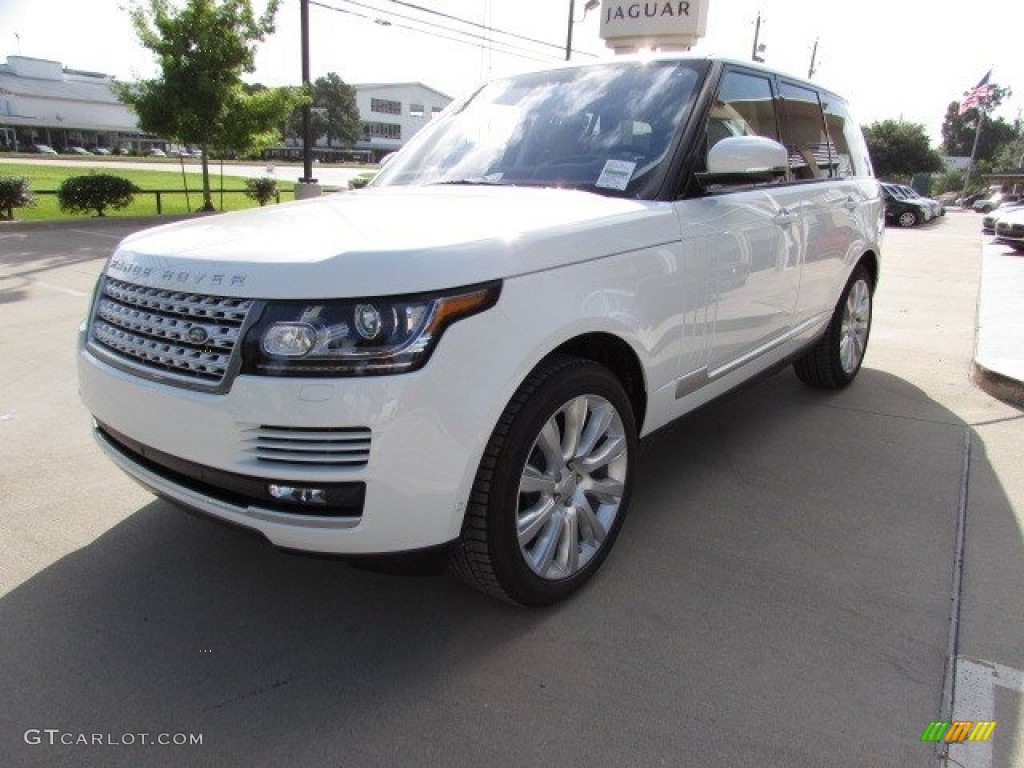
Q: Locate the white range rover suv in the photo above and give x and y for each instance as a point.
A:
(461, 357)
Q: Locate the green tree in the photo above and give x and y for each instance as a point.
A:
(958, 131)
(317, 120)
(1010, 154)
(334, 114)
(252, 117)
(900, 149)
(950, 181)
(336, 102)
(202, 50)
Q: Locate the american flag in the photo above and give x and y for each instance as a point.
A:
(977, 94)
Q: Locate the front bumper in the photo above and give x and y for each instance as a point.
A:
(420, 437)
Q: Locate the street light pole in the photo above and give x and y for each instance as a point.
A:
(757, 34)
(307, 126)
(590, 5)
(568, 34)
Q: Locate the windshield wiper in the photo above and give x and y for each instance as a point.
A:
(471, 182)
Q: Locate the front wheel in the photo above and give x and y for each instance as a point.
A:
(833, 362)
(907, 219)
(553, 486)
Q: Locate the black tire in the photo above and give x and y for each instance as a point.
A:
(488, 555)
(824, 365)
(907, 219)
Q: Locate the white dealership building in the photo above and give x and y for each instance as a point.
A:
(44, 102)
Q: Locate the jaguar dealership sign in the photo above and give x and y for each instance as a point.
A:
(628, 25)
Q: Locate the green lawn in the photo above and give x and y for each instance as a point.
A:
(43, 178)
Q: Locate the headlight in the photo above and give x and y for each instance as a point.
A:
(357, 337)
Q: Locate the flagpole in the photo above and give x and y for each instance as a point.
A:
(974, 151)
(976, 98)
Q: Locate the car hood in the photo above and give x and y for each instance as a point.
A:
(1015, 216)
(389, 241)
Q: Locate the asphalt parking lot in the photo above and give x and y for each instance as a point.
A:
(780, 596)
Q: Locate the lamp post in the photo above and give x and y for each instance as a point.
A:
(591, 5)
(307, 128)
(758, 47)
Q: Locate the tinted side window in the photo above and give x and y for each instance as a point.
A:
(806, 140)
(744, 107)
(851, 151)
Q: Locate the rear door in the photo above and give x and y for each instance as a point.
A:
(842, 202)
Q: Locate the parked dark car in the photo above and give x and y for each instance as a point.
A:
(937, 208)
(904, 210)
(970, 200)
(987, 205)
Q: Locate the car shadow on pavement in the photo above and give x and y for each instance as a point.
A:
(765, 604)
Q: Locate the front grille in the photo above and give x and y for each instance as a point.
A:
(1009, 230)
(333, 447)
(190, 336)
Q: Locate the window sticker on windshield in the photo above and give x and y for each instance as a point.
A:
(616, 174)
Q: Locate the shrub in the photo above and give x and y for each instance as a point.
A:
(262, 190)
(96, 192)
(14, 193)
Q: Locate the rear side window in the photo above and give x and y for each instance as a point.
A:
(744, 107)
(851, 152)
(806, 140)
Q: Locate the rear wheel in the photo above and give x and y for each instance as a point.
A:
(553, 486)
(833, 362)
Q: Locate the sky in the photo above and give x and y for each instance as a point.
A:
(891, 59)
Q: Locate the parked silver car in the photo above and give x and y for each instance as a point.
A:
(988, 224)
(1010, 230)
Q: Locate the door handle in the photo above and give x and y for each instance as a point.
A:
(784, 218)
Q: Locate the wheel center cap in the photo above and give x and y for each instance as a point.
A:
(567, 484)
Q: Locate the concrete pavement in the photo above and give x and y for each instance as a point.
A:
(804, 580)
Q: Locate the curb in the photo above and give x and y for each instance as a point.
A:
(104, 221)
(1000, 386)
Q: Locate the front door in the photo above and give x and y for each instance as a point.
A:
(751, 238)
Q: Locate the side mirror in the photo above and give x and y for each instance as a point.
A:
(745, 160)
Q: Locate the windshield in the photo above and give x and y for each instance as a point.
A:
(603, 128)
